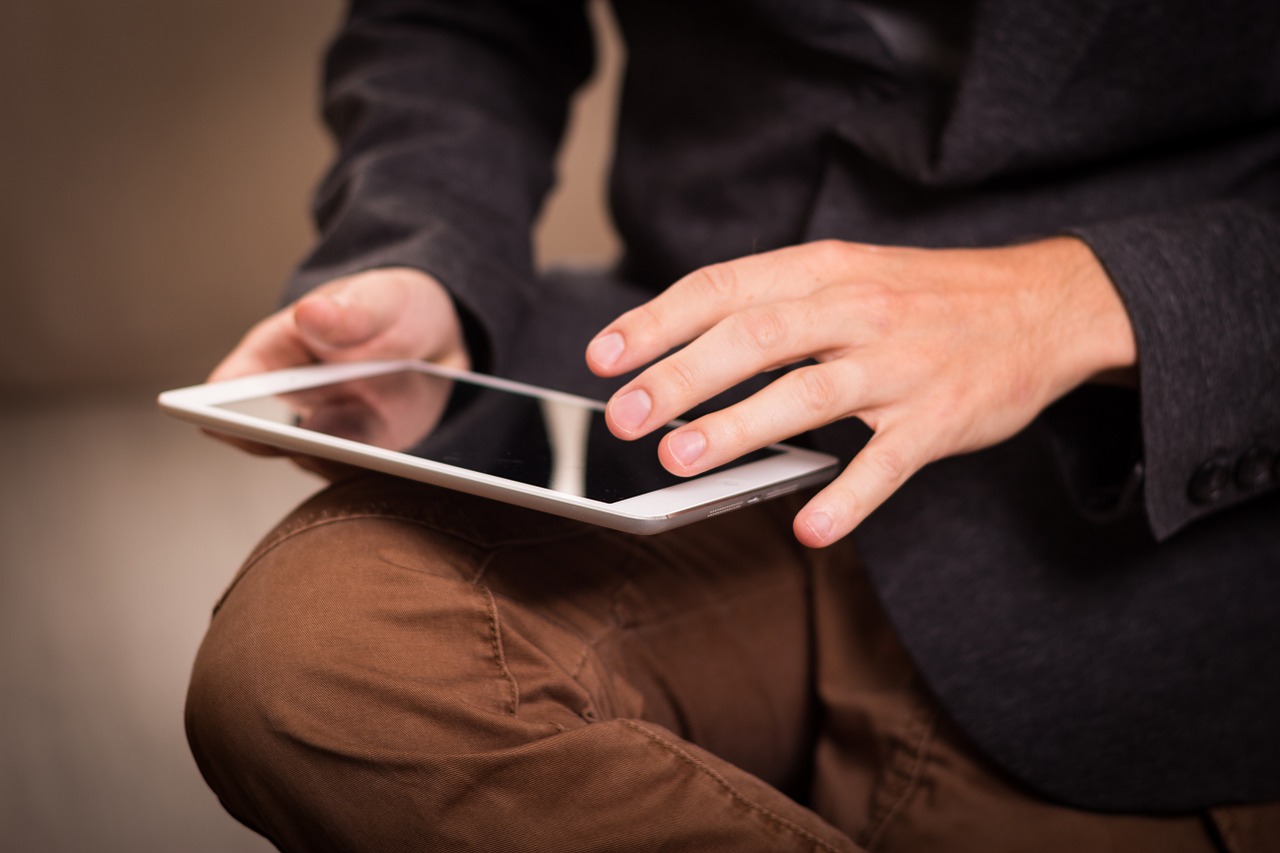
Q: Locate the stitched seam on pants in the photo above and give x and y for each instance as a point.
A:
(922, 730)
(499, 656)
(589, 643)
(734, 793)
(495, 627)
(548, 618)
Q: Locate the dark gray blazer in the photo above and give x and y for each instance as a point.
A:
(1097, 601)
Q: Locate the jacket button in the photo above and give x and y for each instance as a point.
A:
(1210, 481)
(1253, 469)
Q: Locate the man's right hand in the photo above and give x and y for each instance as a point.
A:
(390, 313)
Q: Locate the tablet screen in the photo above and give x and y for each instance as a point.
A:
(559, 443)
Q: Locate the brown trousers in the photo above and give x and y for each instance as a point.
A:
(403, 668)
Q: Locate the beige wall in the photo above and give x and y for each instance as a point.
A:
(157, 158)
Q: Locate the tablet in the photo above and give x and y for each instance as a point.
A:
(499, 439)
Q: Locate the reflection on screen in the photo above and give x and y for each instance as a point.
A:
(557, 443)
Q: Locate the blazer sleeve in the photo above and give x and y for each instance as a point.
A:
(1202, 288)
(447, 116)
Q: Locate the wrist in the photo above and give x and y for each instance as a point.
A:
(1093, 337)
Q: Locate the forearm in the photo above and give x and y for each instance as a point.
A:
(447, 117)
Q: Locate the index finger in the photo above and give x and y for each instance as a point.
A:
(700, 300)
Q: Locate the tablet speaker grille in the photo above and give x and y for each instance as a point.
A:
(722, 510)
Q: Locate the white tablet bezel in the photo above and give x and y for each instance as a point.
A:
(699, 497)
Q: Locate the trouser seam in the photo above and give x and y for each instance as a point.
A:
(736, 795)
(499, 656)
(602, 691)
(917, 752)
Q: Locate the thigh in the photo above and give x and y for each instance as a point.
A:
(895, 774)
(703, 630)
(402, 668)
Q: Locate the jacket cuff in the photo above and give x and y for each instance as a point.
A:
(1202, 289)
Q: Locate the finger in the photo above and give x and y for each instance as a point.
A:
(879, 470)
(750, 341)
(679, 314)
(349, 314)
(272, 344)
(801, 400)
(382, 313)
(703, 298)
(737, 348)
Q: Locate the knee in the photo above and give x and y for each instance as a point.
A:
(262, 696)
(347, 666)
(334, 622)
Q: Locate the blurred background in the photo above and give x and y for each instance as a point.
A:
(156, 160)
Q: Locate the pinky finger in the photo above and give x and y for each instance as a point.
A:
(879, 470)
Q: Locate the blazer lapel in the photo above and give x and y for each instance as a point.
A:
(1020, 57)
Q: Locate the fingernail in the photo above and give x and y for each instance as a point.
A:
(687, 446)
(820, 525)
(631, 409)
(606, 350)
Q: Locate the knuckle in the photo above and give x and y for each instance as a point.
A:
(880, 306)
(718, 281)
(832, 253)
(843, 494)
(643, 319)
(841, 499)
(889, 462)
(816, 390)
(730, 429)
(641, 326)
(679, 375)
(763, 329)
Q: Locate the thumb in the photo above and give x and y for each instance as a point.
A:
(349, 313)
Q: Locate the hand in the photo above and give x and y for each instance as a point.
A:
(383, 313)
(939, 352)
